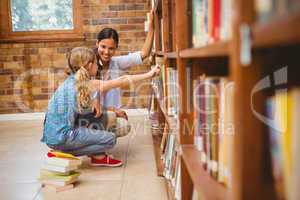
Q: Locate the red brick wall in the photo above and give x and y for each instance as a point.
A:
(30, 72)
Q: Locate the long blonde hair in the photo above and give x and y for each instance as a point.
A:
(78, 59)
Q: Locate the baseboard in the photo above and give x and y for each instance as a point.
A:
(132, 113)
(22, 116)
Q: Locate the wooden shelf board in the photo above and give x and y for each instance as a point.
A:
(159, 53)
(207, 186)
(172, 55)
(212, 50)
(282, 30)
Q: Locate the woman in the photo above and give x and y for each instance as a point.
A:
(110, 66)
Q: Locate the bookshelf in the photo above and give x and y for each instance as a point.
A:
(212, 50)
(254, 46)
(202, 181)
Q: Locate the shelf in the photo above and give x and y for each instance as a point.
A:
(172, 55)
(282, 30)
(159, 53)
(206, 186)
(212, 50)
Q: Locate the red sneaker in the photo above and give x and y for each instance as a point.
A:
(106, 161)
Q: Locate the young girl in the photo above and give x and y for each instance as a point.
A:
(72, 98)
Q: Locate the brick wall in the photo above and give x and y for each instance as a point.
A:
(30, 72)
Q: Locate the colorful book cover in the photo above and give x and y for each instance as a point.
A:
(46, 175)
(64, 162)
(61, 155)
(295, 192)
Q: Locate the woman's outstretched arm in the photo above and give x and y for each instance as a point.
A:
(145, 52)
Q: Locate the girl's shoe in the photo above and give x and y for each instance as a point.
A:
(107, 161)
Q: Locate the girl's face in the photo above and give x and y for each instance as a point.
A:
(106, 49)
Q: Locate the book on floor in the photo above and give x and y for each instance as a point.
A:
(50, 178)
(61, 169)
(57, 182)
(61, 155)
(44, 174)
(56, 188)
(64, 162)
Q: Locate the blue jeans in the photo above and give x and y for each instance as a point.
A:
(85, 140)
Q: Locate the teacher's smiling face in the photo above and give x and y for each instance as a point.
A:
(106, 49)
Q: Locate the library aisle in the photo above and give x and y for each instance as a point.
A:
(22, 154)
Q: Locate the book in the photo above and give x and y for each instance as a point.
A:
(61, 155)
(57, 182)
(48, 175)
(63, 162)
(295, 130)
(55, 172)
(56, 188)
(59, 168)
(196, 17)
(282, 112)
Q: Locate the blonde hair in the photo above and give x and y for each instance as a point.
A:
(78, 59)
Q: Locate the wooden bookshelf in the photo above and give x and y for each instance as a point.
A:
(274, 44)
(203, 182)
(212, 50)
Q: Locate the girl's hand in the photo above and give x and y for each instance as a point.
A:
(155, 71)
(121, 113)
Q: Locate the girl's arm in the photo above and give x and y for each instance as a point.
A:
(123, 81)
(145, 52)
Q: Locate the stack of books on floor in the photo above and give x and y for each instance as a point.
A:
(59, 171)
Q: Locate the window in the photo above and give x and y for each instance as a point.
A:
(39, 20)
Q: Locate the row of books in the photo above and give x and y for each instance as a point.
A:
(211, 21)
(213, 122)
(266, 9)
(59, 171)
(283, 113)
(170, 155)
(167, 84)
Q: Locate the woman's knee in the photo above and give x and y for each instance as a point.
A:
(110, 140)
(111, 120)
